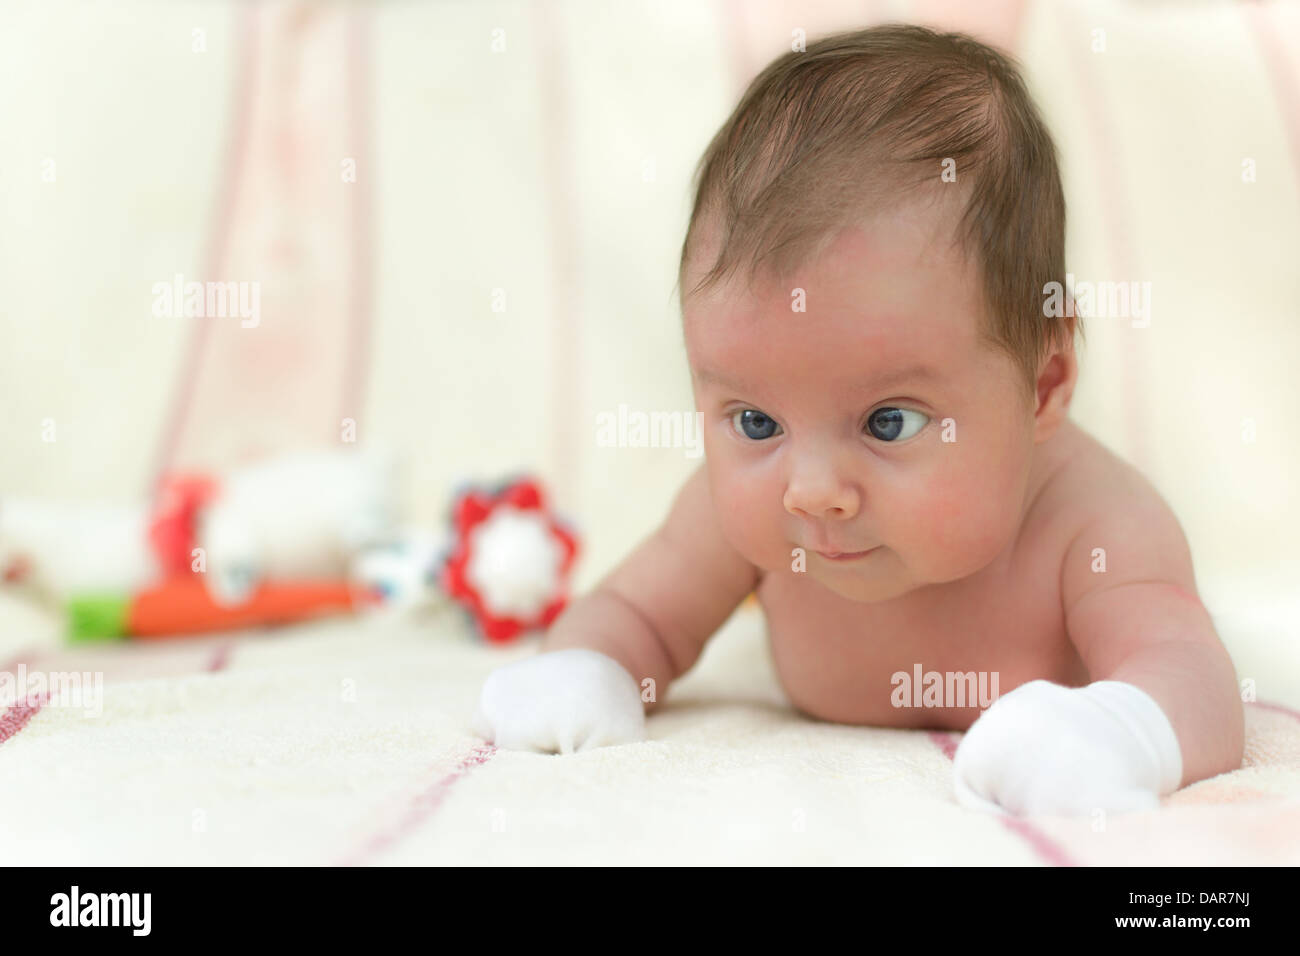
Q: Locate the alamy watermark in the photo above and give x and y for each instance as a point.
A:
(626, 428)
(129, 910)
(179, 299)
(923, 688)
(84, 689)
(1099, 300)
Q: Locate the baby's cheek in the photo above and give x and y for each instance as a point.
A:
(743, 514)
(961, 523)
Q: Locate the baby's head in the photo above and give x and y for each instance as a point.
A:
(862, 297)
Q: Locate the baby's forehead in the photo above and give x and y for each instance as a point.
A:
(863, 285)
(917, 242)
(764, 352)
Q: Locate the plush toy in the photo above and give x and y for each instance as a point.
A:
(285, 539)
(183, 605)
(299, 516)
(54, 549)
(512, 559)
(405, 573)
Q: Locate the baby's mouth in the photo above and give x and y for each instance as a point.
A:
(840, 556)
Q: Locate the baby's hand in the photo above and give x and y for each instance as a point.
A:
(560, 702)
(1044, 748)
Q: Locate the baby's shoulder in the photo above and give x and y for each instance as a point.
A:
(1112, 521)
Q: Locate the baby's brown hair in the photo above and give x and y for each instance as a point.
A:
(825, 137)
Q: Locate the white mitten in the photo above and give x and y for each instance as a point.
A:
(560, 702)
(1045, 748)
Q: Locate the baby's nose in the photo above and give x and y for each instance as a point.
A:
(816, 491)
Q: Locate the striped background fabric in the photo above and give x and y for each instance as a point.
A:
(536, 158)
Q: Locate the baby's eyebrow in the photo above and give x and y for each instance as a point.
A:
(709, 377)
(918, 372)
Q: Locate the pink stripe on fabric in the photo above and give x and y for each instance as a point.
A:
(733, 16)
(26, 657)
(361, 73)
(1279, 708)
(1286, 86)
(421, 809)
(1047, 849)
(996, 23)
(562, 214)
(945, 742)
(755, 32)
(18, 715)
(1117, 225)
(221, 657)
(214, 252)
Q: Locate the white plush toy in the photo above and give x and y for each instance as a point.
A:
(295, 517)
(61, 548)
(304, 515)
(404, 572)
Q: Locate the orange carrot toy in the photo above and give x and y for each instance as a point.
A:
(182, 605)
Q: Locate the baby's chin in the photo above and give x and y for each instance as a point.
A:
(882, 576)
(862, 582)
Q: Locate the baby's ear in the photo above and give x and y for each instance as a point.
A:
(1054, 388)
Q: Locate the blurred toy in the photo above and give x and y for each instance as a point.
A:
(300, 516)
(55, 549)
(287, 538)
(406, 572)
(511, 561)
(173, 523)
(184, 606)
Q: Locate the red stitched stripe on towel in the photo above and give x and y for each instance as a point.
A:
(944, 742)
(16, 717)
(1043, 845)
(221, 657)
(422, 807)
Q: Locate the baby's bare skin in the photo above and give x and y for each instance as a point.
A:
(835, 657)
(985, 547)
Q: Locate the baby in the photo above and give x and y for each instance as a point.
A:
(890, 464)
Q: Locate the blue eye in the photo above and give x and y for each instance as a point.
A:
(895, 424)
(753, 424)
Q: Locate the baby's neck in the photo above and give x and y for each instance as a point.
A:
(1050, 457)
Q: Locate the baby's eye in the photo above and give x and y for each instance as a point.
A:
(895, 424)
(752, 423)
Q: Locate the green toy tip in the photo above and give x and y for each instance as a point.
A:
(97, 617)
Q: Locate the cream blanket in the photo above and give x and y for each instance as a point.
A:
(347, 742)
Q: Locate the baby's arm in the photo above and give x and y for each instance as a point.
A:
(1141, 623)
(649, 618)
(655, 611)
(1162, 710)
